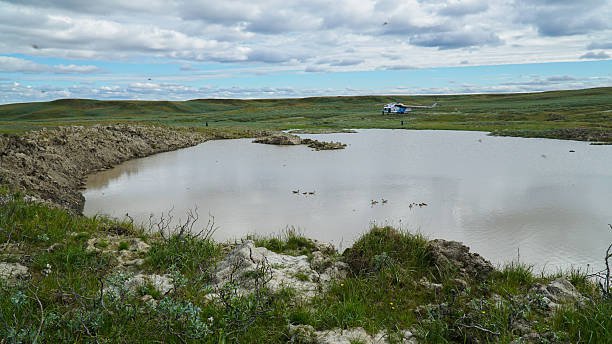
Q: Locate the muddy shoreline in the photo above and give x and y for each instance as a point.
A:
(51, 164)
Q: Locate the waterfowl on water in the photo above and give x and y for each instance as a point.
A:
(296, 191)
(384, 200)
(373, 202)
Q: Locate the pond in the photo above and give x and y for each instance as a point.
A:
(545, 202)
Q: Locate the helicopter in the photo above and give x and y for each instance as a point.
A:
(400, 108)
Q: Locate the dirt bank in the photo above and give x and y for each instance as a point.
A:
(52, 164)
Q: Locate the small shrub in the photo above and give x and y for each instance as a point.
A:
(290, 242)
(591, 323)
(383, 246)
(102, 244)
(149, 289)
(513, 277)
(188, 254)
(124, 245)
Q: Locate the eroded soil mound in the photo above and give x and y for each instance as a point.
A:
(455, 255)
(51, 164)
(294, 140)
(280, 139)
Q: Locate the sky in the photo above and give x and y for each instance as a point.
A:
(187, 49)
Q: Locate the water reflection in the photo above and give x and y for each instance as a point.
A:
(497, 195)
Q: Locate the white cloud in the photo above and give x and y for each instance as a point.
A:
(457, 39)
(271, 36)
(66, 35)
(72, 68)
(13, 65)
(562, 18)
(17, 65)
(463, 7)
(600, 45)
(602, 55)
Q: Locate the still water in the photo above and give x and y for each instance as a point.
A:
(502, 196)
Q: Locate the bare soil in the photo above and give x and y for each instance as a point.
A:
(51, 165)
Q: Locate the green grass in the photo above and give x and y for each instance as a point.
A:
(189, 254)
(589, 324)
(580, 114)
(123, 245)
(289, 241)
(384, 248)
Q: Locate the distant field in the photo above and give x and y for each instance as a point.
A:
(581, 114)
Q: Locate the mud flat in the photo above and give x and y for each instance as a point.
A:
(52, 164)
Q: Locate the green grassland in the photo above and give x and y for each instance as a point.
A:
(579, 114)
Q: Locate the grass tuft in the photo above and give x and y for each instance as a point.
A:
(383, 247)
(190, 255)
(289, 241)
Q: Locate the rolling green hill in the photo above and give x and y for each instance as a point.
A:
(580, 114)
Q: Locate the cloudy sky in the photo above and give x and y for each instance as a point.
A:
(185, 49)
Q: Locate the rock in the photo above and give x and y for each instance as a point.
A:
(137, 245)
(324, 247)
(424, 282)
(302, 334)
(128, 251)
(290, 139)
(337, 271)
(47, 270)
(245, 264)
(134, 284)
(319, 261)
(134, 262)
(408, 337)
(454, 255)
(280, 139)
(557, 292)
(521, 327)
(54, 247)
(338, 336)
(322, 145)
(162, 283)
(307, 334)
(328, 267)
(13, 272)
(460, 284)
(531, 337)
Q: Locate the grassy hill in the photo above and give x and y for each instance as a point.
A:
(579, 114)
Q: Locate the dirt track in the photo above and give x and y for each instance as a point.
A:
(52, 164)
